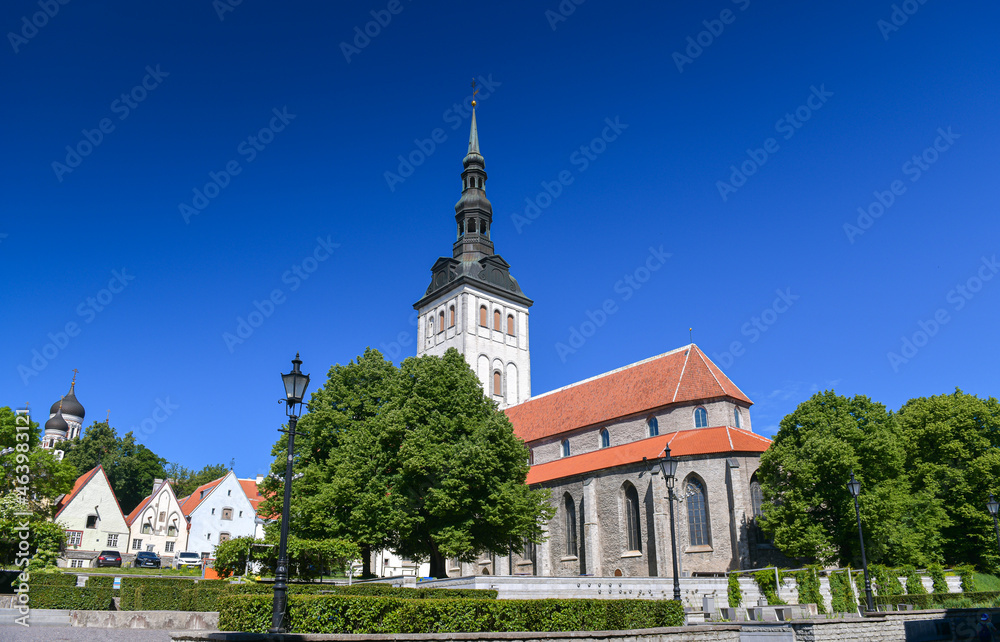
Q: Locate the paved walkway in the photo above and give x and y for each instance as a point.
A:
(16, 633)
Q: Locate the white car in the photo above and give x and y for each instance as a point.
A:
(185, 559)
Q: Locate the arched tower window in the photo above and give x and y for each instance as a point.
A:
(430, 326)
(441, 321)
(630, 508)
(570, 524)
(654, 426)
(736, 417)
(483, 312)
(697, 508)
(496, 319)
(605, 438)
(510, 324)
(700, 417)
(451, 316)
(565, 447)
(497, 383)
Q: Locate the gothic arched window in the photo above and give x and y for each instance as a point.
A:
(700, 417)
(570, 525)
(697, 508)
(605, 438)
(654, 427)
(736, 417)
(630, 508)
(756, 497)
(496, 319)
(497, 383)
(565, 447)
(482, 316)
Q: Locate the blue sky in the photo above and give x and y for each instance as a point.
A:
(741, 138)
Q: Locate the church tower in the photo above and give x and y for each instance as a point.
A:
(473, 304)
(65, 418)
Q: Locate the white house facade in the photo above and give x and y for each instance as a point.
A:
(92, 519)
(216, 512)
(157, 524)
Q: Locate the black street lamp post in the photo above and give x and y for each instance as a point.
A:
(994, 507)
(295, 389)
(854, 487)
(668, 466)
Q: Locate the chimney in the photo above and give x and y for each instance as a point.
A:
(156, 483)
(260, 478)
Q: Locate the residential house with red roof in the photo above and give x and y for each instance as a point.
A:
(92, 519)
(157, 524)
(215, 512)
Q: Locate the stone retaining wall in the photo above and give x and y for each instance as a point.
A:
(190, 620)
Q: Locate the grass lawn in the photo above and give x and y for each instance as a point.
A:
(986, 582)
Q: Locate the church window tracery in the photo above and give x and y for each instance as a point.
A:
(570, 525)
(654, 426)
(605, 438)
(633, 538)
(697, 510)
(700, 417)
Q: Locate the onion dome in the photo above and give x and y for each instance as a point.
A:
(56, 424)
(70, 405)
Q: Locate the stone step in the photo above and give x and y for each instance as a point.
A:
(37, 617)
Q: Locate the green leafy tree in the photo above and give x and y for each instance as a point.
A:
(414, 459)
(808, 510)
(45, 538)
(187, 480)
(954, 456)
(32, 468)
(130, 466)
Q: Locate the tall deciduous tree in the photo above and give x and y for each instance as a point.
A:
(803, 475)
(187, 480)
(44, 477)
(415, 459)
(130, 466)
(953, 453)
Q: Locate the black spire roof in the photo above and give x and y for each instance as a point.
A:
(70, 405)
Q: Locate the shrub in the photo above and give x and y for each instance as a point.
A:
(914, 585)
(939, 583)
(842, 597)
(53, 596)
(808, 582)
(735, 593)
(363, 614)
(159, 594)
(886, 580)
(768, 585)
(968, 574)
(52, 579)
(942, 600)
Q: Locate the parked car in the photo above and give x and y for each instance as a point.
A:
(108, 558)
(182, 560)
(147, 559)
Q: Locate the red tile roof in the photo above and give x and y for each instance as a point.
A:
(192, 501)
(701, 441)
(251, 491)
(683, 375)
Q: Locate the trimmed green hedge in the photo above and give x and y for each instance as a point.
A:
(938, 600)
(52, 596)
(158, 594)
(52, 579)
(364, 614)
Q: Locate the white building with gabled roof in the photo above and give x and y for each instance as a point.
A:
(92, 519)
(215, 512)
(157, 524)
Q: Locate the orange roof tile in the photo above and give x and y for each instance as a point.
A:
(81, 481)
(192, 501)
(701, 441)
(251, 491)
(682, 375)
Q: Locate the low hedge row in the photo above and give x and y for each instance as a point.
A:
(159, 594)
(53, 596)
(364, 614)
(52, 579)
(373, 590)
(936, 600)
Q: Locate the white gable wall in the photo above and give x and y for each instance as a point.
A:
(207, 521)
(157, 531)
(96, 498)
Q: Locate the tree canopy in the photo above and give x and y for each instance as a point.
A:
(44, 477)
(414, 459)
(130, 466)
(187, 480)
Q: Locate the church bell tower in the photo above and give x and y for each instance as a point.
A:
(473, 304)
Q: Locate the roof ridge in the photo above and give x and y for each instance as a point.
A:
(680, 377)
(711, 364)
(599, 376)
(701, 355)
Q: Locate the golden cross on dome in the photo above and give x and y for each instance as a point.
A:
(75, 371)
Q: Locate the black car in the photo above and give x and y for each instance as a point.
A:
(108, 558)
(147, 559)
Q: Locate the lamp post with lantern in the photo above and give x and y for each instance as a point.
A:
(854, 487)
(993, 506)
(668, 466)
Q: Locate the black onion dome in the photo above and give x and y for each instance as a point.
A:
(70, 404)
(56, 423)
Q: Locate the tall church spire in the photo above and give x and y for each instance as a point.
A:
(473, 211)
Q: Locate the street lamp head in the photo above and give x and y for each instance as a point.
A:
(295, 385)
(668, 466)
(993, 506)
(854, 486)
